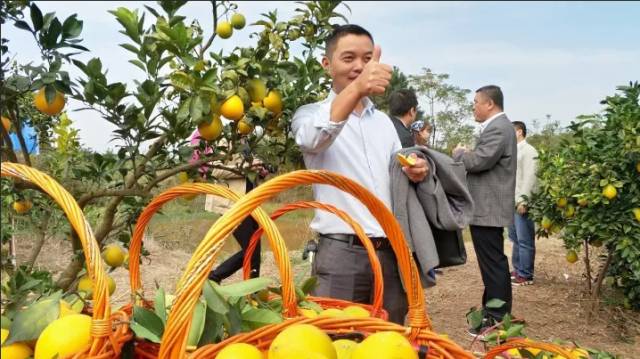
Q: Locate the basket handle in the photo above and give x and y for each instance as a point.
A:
(378, 283)
(190, 285)
(276, 240)
(526, 343)
(101, 329)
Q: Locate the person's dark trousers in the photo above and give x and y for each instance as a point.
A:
(488, 243)
(242, 235)
(344, 272)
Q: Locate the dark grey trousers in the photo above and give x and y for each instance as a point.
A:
(344, 272)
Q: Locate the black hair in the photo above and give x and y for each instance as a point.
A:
(341, 31)
(521, 126)
(494, 93)
(401, 101)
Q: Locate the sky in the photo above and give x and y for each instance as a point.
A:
(549, 58)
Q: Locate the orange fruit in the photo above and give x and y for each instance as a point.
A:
(562, 202)
(405, 161)
(233, 108)
(211, 130)
(22, 206)
(51, 109)
(609, 191)
(6, 123)
(224, 29)
(244, 128)
(238, 21)
(273, 102)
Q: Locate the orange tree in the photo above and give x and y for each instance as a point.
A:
(183, 86)
(589, 191)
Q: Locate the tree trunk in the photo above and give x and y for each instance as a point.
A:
(42, 235)
(71, 272)
(595, 292)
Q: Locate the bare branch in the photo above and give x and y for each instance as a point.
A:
(88, 197)
(23, 144)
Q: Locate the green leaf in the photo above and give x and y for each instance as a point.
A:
(29, 323)
(138, 64)
(128, 20)
(214, 300)
(243, 288)
(50, 93)
(159, 306)
(71, 27)
(94, 67)
(143, 332)
(130, 48)
(197, 323)
(258, 317)
(195, 110)
(474, 318)
(50, 39)
(5, 322)
(495, 303)
(149, 321)
(515, 330)
(309, 284)
(22, 25)
(36, 17)
(234, 320)
(213, 328)
(183, 111)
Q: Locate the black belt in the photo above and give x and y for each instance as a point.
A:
(380, 243)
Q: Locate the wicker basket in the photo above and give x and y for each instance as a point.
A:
(526, 343)
(190, 285)
(150, 350)
(109, 331)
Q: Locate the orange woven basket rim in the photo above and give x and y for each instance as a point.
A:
(274, 236)
(105, 340)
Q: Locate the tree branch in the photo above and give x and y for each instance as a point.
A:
(187, 167)
(42, 235)
(23, 144)
(88, 197)
(9, 148)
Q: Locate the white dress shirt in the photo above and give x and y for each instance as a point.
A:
(361, 148)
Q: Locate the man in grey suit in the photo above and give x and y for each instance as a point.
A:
(491, 168)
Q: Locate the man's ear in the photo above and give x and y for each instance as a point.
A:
(325, 62)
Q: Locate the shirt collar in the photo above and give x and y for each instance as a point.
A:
(488, 121)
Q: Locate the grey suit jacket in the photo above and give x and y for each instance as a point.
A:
(491, 174)
(441, 199)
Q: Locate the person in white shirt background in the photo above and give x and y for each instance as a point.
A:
(522, 231)
(345, 134)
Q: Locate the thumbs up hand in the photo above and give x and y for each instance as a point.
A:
(375, 76)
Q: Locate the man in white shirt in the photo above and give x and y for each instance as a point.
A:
(522, 231)
(346, 134)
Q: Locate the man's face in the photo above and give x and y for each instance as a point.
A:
(482, 106)
(350, 54)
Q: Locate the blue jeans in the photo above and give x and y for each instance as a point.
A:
(522, 234)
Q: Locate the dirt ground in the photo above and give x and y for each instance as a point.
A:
(554, 307)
